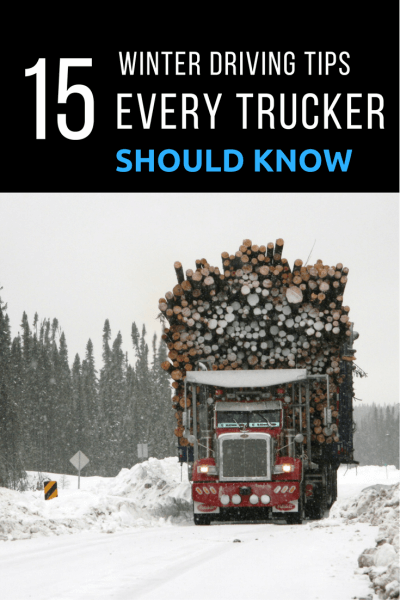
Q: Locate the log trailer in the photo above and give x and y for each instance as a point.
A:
(266, 423)
(246, 462)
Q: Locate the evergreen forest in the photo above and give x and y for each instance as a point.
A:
(376, 436)
(50, 408)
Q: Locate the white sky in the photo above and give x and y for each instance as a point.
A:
(86, 257)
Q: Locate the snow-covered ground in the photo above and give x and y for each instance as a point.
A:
(353, 480)
(377, 505)
(155, 551)
(146, 495)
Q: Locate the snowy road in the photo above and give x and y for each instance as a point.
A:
(278, 562)
(129, 538)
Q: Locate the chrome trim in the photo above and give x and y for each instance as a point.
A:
(236, 436)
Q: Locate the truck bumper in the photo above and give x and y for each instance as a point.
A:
(211, 497)
(201, 508)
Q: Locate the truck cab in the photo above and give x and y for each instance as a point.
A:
(248, 459)
(253, 450)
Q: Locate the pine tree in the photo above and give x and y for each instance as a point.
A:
(162, 444)
(4, 402)
(144, 421)
(57, 424)
(116, 405)
(11, 471)
(77, 411)
(90, 396)
(65, 408)
(105, 399)
(48, 397)
(33, 395)
(128, 418)
(16, 418)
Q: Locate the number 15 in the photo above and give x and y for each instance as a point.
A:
(39, 69)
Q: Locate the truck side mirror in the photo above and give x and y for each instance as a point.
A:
(299, 438)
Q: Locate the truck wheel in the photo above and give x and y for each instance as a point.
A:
(202, 520)
(329, 476)
(294, 519)
(318, 506)
(334, 484)
(313, 510)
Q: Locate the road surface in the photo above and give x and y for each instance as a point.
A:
(274, 562)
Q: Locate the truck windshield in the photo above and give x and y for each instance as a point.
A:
(248, 419)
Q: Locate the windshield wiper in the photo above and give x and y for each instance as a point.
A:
(265, 418)
(239, 425)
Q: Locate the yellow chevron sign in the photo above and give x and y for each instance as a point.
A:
(50, 490)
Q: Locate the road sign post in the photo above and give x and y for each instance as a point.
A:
(143, 450)
(79, 460)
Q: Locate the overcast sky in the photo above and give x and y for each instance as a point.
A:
(86, 257)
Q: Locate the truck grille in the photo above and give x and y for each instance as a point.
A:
(245, 458)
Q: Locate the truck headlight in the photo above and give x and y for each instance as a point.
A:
(210, 469)
(285, 468)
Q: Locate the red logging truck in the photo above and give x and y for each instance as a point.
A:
(246, 462)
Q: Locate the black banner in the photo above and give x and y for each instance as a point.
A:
(250, 112)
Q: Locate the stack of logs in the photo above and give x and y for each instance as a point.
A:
(259, 313)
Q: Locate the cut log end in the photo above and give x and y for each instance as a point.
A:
(294, 295)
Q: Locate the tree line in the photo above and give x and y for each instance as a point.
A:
(376, 436)
(49, 410)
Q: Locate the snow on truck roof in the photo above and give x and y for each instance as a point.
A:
(248, 406)
(246, 379)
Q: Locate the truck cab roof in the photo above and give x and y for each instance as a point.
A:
(246, 379)
(248, 406)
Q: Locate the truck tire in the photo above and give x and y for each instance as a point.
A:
(202, 520)
(319, 506)
(327, 479)
(334, 485)
(294, 519)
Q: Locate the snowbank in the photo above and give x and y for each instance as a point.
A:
(148, 494)
(352, 480)
(378, 505)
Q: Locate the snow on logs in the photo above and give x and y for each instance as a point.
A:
(258, 313)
